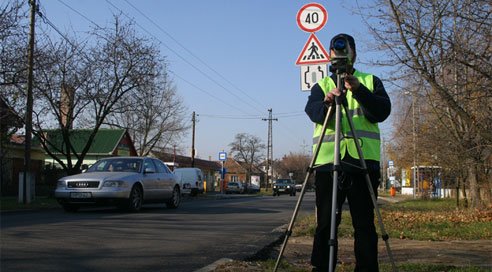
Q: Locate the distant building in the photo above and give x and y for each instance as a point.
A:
(12, 152)
(12, 164)
(238, 171)
(106, 143)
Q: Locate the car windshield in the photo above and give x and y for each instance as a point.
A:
(283, 181)
(116, 165)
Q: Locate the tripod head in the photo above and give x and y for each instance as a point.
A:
(342, 54)
(342, 59)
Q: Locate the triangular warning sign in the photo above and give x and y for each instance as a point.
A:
(313, 52)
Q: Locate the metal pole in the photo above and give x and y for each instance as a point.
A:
(29, 105)
(193, 120)
(414, 134)
(269, 160)
(222, 178)
(336, 164)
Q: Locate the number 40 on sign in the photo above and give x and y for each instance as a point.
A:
(312, 17)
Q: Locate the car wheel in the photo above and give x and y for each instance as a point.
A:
(135, 200)
(70, 207)
(194, 192)
(173, 203)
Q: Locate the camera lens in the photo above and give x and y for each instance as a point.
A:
(339, 44)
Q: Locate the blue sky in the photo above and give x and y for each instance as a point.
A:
(242, 60)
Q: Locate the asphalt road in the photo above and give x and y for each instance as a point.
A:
(196, 234)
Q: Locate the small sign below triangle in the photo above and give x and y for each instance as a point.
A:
(313, 52)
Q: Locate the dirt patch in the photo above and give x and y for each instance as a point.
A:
(451, 253)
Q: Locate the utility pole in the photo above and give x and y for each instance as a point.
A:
(29, 106)
(193, 120)
(269, 159)
(414, 136)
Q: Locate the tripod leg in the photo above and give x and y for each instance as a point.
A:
(334, 202)
(288, 232)
(384, 234)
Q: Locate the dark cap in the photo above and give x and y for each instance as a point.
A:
(349, 38)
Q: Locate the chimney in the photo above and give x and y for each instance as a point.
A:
(66, 105)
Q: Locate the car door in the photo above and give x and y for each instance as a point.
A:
(149, 179)
(165, 180)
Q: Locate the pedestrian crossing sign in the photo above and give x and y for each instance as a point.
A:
(313, 52)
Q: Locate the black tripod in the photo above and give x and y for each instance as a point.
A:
(340, 102)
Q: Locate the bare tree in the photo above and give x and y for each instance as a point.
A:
(13, 50)
(81, 85)
(446, 47)
(249, 149)
(295, 163)
(155, 117)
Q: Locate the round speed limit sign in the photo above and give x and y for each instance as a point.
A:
(312, 17)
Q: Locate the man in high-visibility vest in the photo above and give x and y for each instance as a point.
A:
(367, 104)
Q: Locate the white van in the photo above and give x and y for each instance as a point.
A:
(190, 180)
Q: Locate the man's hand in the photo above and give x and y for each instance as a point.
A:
(351, 83)
(330, 96)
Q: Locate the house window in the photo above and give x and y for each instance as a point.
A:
(234, 178)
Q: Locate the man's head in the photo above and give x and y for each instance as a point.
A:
(342, 46)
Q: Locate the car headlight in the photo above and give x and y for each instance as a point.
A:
(60, 184)
(114, 183)
(288, 186)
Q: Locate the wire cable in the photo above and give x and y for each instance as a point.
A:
(184, 59)
(192, 54)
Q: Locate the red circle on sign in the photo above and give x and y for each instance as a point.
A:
(316, 6)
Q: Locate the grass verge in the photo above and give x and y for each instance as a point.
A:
(40, 202)
(429, 220)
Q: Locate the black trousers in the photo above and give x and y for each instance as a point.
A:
(354, 188)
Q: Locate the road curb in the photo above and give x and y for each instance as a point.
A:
(212, 266)
(278, 235)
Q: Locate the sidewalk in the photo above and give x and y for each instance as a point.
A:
(452, 253)
(466, 253)
(449, 253)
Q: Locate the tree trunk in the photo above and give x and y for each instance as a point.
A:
(465, 197)
(474, 188)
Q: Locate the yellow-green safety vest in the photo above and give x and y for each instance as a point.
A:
(367, 132)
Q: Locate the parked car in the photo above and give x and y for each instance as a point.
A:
(298, 187)
(127, 182)
(190, 180)
(284, 186)
(234, 188)
(251, 188)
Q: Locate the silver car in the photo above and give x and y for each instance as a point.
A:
(127, 182)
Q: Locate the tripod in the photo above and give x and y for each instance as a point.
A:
(340, 102)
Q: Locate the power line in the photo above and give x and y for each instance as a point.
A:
(284, 115)
(80, 14)
(184, 59)
(191, 53)
(170, 49)
(229, 117)
(208, 93)
(49, 23)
